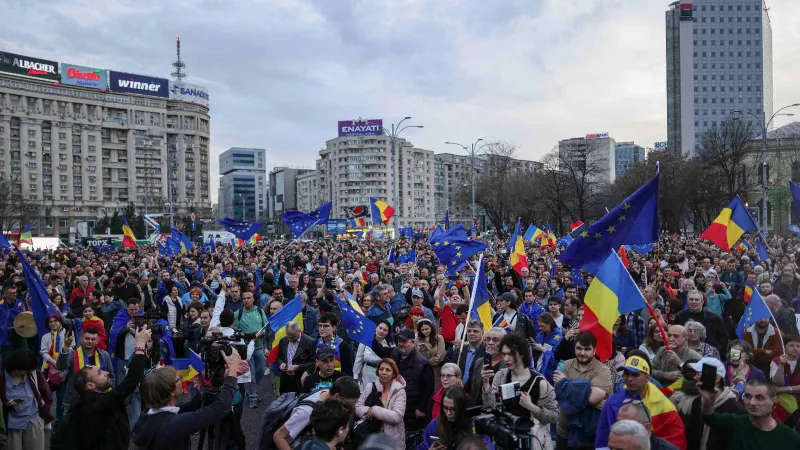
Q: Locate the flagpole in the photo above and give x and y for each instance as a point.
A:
(655, 286)
(780, 335)
(469, 310)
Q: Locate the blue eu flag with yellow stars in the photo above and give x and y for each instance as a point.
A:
(242, 230)
(634, 221)
(756, 310)
(322, 213)
(454, 248)
(408, 257)
(298, 221)
(359, 328)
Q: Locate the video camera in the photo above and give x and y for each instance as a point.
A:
(215, 364)
(507, 430)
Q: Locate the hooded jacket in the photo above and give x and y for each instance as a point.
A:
(698, 434)
(391, 416)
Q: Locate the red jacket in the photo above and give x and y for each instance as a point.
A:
(449, 322)
(80, 292)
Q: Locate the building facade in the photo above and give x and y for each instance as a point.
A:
(242, 184)
(594, 153)
(351, 169)
(283, 193)
(626, 154)
(307, 189)
(719, 61)
(96, 140)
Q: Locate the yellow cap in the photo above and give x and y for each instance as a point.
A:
(636, 364)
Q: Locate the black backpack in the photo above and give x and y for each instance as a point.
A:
(276, 415)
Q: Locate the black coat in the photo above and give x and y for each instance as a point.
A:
(716, 333)
(304, 357)
(169, 431)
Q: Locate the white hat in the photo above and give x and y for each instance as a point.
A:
(698, 366)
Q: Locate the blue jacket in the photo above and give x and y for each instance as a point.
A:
(397, 302)
(582, 418)
(546, 362)
(533, 312)
(431, 430)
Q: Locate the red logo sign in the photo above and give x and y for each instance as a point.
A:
(88, 76)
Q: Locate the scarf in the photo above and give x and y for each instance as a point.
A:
(55, 344)
(79, 361)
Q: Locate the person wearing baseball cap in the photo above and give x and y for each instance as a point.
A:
(418, 374)
(508, 317)
(418, 299)
(326, 372)
(666, 421)
(698, 434)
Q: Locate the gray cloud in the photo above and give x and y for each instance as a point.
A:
(282, 72)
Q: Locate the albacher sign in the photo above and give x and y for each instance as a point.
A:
(360, 127)
(186, 92)
(28, 66)
(138, 84)
(83, 76)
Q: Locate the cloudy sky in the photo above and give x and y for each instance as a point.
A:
(282, 72)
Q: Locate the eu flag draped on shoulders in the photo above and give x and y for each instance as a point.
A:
(359, 328)
(39, 302)
(454, 248)
(481, 308)
(182, 240)
(128, 239)
(634, 221)
(298, 221)
(518, 258)
(730, 225)
(380, 211)
(755, 311)
(242, 230)
(611, 294)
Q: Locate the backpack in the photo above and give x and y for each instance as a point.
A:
(277, 413)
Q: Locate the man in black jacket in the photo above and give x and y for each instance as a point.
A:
(168, 427)
(417, 372)
(102, 408)
(716, 333)
(295, 357)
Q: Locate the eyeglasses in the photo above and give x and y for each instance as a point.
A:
(448, 409)
(491, 339)
(636, 401)
(447, 376)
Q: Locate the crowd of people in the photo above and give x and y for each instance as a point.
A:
(430, 363)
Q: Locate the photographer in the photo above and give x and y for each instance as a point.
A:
(537, 398)
(167, 426)
(452, 426)
(99, 405)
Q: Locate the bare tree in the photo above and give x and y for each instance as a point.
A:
(585, 164)
(723, 152)
(555, 185)
(15, 210)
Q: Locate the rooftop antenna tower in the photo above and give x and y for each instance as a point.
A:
(180, 68)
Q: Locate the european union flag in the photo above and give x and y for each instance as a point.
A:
(761, 248)
(391, 257)
(242, 230)
(406, 232)
(566, 240)
(4, 241)
(454, 248)
(322, 213)
(795, 198)
(641, 248)
(634, 221)
(438, 231)
(169, 247)
(473, 231)
(209, 247)
(359, 328)
(409, 257)
(298, 221)
(577, 277)
(183, 241)
(756, 310)
(447, 220)
(39, 302)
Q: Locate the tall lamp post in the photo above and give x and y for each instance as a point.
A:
(472, 150)
(244, 205)
(764, 126)
(393, 133)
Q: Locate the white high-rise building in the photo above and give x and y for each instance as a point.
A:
(719, 60)
(242, 184)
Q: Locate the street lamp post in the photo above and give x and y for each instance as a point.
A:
(472, 150)
(395, 131)
(764, 126)
(244, 205)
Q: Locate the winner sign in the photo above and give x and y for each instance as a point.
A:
(360, 127)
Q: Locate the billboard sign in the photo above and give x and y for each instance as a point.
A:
(186, 92)
(337, 226)
(29, 67)
(660, 145)
(361, 127)
(597, 136)
(83, 76)
(138, 84)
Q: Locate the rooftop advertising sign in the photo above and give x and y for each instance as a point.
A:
(361, 127)
(83, 76)
(29, 67)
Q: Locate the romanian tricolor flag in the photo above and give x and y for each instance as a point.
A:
(238, 242)
(611, 294)
(292, 311)
(730, 225)
(664, 417)
(128, 239)
(502, 323)
(533, 234)
(518, 258)
(669, 390)
(357, 222)
(380, 210)
(787, 404)
(748, 292)
(256, 238)
(744, 246)
(481, 309)
(26, 237)
(189, 368)
(549, 239)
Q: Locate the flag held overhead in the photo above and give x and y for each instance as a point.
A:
(730, 225)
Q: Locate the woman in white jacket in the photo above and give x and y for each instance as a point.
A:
(391, 402)
(365, 366)
(51, 345)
